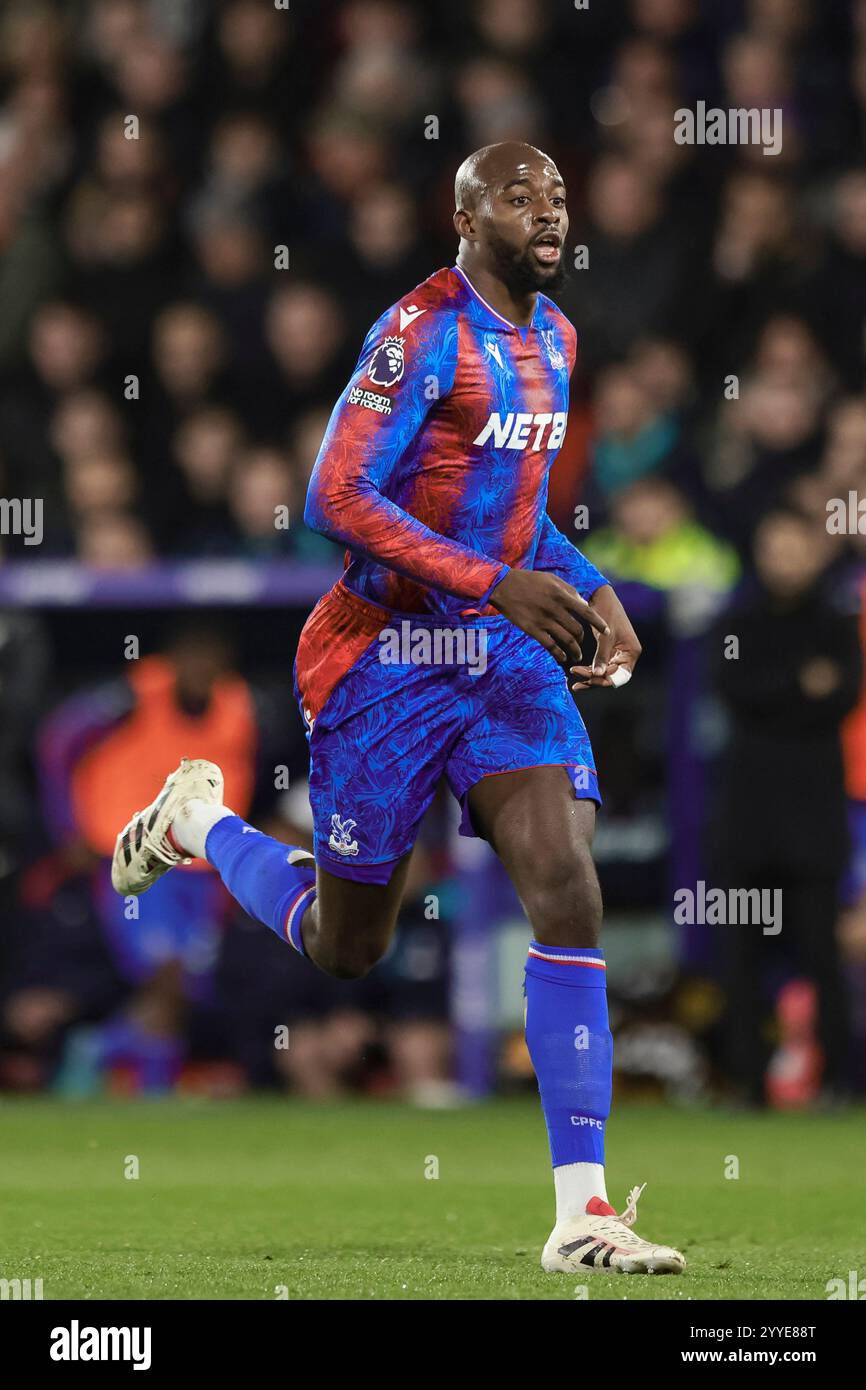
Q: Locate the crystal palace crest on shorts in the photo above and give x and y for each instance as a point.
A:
(341, 836)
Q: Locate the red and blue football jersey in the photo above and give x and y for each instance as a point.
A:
(433, 469)
(433, 472)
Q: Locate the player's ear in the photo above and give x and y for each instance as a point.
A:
(463, 224)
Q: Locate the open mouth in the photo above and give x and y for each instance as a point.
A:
(548, 248)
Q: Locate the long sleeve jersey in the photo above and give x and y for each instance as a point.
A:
(433, 469)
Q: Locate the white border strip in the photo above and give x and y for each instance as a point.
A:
(488, 307)
(569, 960)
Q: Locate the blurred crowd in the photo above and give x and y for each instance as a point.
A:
(205, 203)
(180, 988)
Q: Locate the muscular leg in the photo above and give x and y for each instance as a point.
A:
(349, 926)
(543, 834)
(342, 925)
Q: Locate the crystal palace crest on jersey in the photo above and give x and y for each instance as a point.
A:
(557, 361)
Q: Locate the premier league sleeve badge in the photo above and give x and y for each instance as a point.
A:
(387, 363)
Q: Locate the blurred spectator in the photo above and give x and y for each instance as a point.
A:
(86, 423)
(254, 43)
(654, 540)
(246, 166)
(346, 154)
(188, 353)
(635, 436)
(757, 72)
(759, 264)
(113, 541)
(769, 440)
(780, 824)
(96, 753)
(189, 359)
(837, 292)
(195, 516)
(121, 243)
(664, 371)
(629, 288)
(264, 501)
(99, 485)
(385, 251)
(498, 102)
(305, 330)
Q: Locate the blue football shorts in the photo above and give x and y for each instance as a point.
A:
(409, 711)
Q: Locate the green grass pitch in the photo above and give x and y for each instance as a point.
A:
(247, 1199)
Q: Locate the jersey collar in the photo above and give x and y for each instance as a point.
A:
(485, 314)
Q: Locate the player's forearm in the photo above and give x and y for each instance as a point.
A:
(606, 601)
(556, 553)
(358, 516)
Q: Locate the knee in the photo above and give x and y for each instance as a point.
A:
(348, 957)
(564, 902)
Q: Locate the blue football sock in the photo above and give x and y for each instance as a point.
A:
(256, 871)
(570, 1044)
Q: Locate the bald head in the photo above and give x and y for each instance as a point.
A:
(512, 222)
(495, 165)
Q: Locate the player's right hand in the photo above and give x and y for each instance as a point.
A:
(544, 606)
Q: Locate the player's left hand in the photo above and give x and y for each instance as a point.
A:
(616, 652)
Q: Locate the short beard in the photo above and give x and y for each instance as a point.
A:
(520, 273)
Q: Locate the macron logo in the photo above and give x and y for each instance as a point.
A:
(493, 348)
(513, 432)
(409, 315)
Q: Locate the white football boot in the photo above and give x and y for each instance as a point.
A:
(143, 852)
(601, 1241)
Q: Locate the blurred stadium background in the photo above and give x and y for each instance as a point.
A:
(182, 297)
